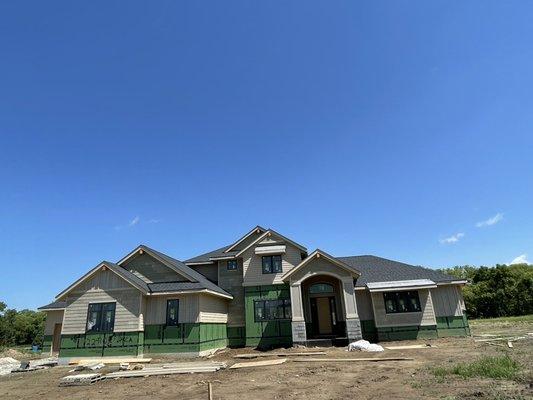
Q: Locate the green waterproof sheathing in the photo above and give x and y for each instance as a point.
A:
(47, 343)
(236, 336)
(266, 334)
(369, 331)
(406, 332)
(453, 326)
(101, 344)
(184, 338)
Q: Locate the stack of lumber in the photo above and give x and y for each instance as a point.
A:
(108, 360)
(169, 369)
(80, 379)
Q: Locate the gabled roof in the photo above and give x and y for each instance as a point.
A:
(257, 229)
(129, 277)
(317, 254)
(268, 233)
(377, 269)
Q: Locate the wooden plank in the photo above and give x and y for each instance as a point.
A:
(263, 363)
(287, 354)
(160, 371)
(108, 360)
(352, 359)
(80, 379)
(412, 346)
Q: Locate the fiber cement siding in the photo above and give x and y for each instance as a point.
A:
(364, 305)
(103, 280)
(447, 301)
(424, 317)
(151, 270)
(126, 312)
(231, 281)
(156, 309)
(52, 318)
(213, 309)
(252, 264)
(317, 267)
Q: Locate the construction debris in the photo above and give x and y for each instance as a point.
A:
(511, 339)
(169, 369)
(286, 354)
(80, 379)
(509, 344)
(411, 346)
(258, 363)
(108, 360)
(352, 359)
(364, 345)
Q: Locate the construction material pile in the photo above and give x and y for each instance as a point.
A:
(9, 365)
(364, 345)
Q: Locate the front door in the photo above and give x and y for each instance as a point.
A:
(57, 338)
(324, 316)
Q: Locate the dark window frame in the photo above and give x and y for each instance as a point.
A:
(100, 325)
(285, 305)
(176, 322)
(406, 296)
(234, 263)
(271, 269)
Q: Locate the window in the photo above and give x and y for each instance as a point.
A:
(271, 310)
(271, 264)
(172, 312)
(100, 317)
(321, 288)
(232, 265)
(399, 302)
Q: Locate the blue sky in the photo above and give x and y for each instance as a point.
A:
(389, 128)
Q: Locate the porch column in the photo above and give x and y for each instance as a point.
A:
(353, 325)
(299, 335)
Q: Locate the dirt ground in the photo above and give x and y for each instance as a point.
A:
(319, 380)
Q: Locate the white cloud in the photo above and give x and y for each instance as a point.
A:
(154, 221)
(134, 221)
(521, 259)
(452, 239)
(491, 221)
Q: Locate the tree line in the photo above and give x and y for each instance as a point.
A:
(20, 327)
(500, 291)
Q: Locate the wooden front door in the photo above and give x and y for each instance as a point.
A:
(323, 309)
(57, 338)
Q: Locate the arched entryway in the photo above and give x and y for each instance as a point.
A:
(323, 307)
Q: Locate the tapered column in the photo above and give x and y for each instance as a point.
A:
(299, 335)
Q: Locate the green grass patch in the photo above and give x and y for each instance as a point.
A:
(499, 367)
(521, 318)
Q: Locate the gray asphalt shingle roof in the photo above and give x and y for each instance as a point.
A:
(54, 305)
(377, 269)
(215, 253)
(160, 287)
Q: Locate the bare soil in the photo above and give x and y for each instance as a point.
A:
(322, 380)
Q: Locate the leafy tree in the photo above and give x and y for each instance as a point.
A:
(20, 327)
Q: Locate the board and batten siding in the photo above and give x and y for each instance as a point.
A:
(447, 300)
(364, 305)
(104, 286)
(253, 265)
(422, 318)
(151, 270)
(127, 309)
(213, 309)
(231, 281)
(52, 318)
(156, 309)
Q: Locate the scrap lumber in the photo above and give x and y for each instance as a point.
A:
(509, 344)
(80, 379)
(411, 346)
(512, 339)
(262, 363)
(352, 359)
(109, 360)
(209, 391)
(287, 354)
(169, 369)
